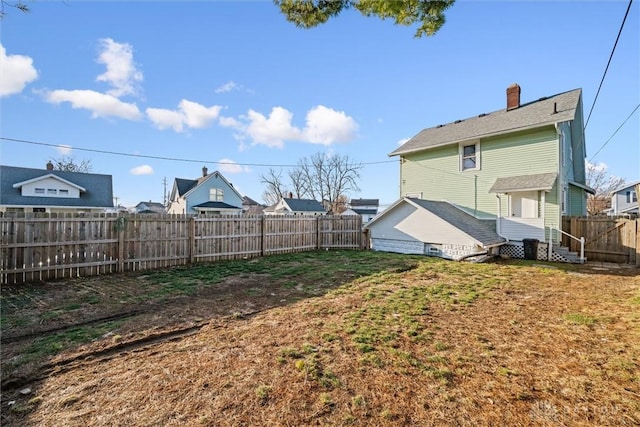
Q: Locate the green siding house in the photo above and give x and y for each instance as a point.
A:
(521, 167)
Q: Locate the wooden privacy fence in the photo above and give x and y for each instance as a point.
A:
(47, 246)
(607, 239)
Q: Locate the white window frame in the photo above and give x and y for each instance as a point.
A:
(216, 195)
(461, 156)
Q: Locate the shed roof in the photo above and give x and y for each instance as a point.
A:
(482, 231)
(545, 111)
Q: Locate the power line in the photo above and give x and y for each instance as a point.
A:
(614, 133)
(608, 63)
(172, 159)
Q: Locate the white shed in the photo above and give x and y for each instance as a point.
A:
(415, 226)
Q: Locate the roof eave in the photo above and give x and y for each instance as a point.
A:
(470, 138)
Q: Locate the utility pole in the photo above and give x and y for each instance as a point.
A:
(164, 182)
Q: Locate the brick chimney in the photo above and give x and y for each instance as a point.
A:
(204, 171)
(49, 166)
(513, 96)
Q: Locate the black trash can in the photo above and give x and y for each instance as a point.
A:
(530, 248)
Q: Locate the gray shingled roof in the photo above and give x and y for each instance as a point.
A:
(99, 190)
(216, 205)
(481, 230)
(541, 181)
(185, 185)
(364, 202)
(533, 114)
(364, 211)
(305, 205)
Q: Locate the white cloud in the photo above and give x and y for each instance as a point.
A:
(16, 71)
(100, 104)
(402, 141)
(230, 86)
(165, 119)
(198, 116)
(272, 131)
(230, 122)
(327, 126)
(142, 170)
(189, 114)
(229, 166)
(64, 150)
(121, 73)
(227, 87)
(599, 167)
(323, 126)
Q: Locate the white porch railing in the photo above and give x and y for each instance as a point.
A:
(550, 243)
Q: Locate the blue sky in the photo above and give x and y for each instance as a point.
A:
(234, 82)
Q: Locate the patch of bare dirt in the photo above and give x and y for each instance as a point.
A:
(540, 347)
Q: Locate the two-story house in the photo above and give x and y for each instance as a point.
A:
(211, 194)
(517, 170)
(52, 191)
(366, 208)
(624, 201)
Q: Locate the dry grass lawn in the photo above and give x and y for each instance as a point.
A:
(441, 344)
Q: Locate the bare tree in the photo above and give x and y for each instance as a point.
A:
(330, 176)
(325, 178)
(604, 184)
(19, 5)
(299, 183)
(69, 164)
(276, 189)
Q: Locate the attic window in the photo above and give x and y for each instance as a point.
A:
(38, 190)
(469, 156)
(216, 195)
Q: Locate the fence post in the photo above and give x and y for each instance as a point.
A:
(637, 242)
(318, 243)
(263, 234)
(121, 222)
(192, 239)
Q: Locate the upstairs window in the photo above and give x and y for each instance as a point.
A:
(38, 190)
(216, 195)
(632, 197)
(470, 156)
(63, 192)
(52, 191)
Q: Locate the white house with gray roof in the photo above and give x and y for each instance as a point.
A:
(52, 191)
(521, 167)
(291, 206)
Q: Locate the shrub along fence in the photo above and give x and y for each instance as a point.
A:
(37, 247)
(609, 239)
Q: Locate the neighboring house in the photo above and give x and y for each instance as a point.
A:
(52, 191)
(251, 207)
(367, 208)
(211, 194)
(150, 207)
(521, 167)
(289, 206)
(624, 201)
